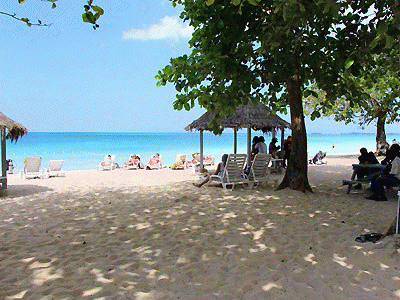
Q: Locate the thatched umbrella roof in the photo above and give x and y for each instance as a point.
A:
(15, 130)
(254, 116)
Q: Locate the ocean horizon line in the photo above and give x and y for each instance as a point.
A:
(242, 131)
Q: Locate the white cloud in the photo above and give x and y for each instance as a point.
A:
(167, 28)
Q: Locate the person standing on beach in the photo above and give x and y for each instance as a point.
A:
(253, 147)
(273, 149)
(287, 147)
(261, 147)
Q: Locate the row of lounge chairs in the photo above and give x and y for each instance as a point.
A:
(32, 168)
(234, 172)
(155, 162)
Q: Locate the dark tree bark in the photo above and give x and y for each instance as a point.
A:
(380, 133)
(296, 173)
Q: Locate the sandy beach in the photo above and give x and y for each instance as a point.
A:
(152, 235)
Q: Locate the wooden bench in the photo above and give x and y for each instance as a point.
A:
(373, 170)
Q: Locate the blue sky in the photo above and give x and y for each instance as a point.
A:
(69, 77)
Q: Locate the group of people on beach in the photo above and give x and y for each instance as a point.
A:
(134, 161)
(258, 146)
(387, 177)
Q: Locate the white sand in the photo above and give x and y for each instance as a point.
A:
(153, 235)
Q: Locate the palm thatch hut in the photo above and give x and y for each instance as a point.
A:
(250, 116)
(9, 130)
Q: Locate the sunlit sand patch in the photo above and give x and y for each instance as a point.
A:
(204, 257)
(92, 292)
(230, 246)
(269, 224)
(396, 278)
(26, 260)
(341, 261)
(163, 277)
(230, 215)
(151, 273)
(269, 286)
(220, 231)
(147, 296)
(100, 276)
(325, 224)
(383, 266)
(309, 258)
(16, 296)
(182, 260)
(282, 213)
(37, 265)
(258, 234)
(311, 215)
(40, 276)
(140, 226)
(397, 293)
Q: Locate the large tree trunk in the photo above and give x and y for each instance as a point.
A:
(296, 172)
(381, 134)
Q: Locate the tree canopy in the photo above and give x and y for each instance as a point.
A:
(271, 51)
(380, 102)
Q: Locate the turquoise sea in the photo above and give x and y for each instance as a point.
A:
(83, 150)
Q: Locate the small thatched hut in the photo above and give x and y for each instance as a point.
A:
(250, 116)
(9, 130)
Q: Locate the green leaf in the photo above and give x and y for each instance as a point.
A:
(375, 41)
(236, 2)
(21, 1)
(349, 63)
(98, 9)
(389, 42)
(382, 27)
(209, 2)
(53, 5)
(88, 17)
(254, 2)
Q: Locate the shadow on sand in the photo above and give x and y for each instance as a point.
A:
(14, 191)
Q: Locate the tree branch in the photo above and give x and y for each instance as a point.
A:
(26, 20)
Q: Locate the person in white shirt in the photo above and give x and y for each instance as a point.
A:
(379, 183)
(261, 147)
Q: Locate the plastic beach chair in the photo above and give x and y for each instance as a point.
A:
(54, 168)
(31, 167)
(259, 171)
(110, 164)
(233, 172)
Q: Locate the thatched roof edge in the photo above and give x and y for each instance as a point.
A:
(256, 117)
(15, 130)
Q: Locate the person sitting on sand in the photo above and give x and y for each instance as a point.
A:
(318, 159)
(218, 171)
(154, 162)
(379, 183)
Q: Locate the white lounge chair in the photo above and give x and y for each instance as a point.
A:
(54, 168)
(233, 172)
(31, 167)
(259, 171)
(107, 163)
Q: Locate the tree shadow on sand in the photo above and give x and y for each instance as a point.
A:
(14, 191)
